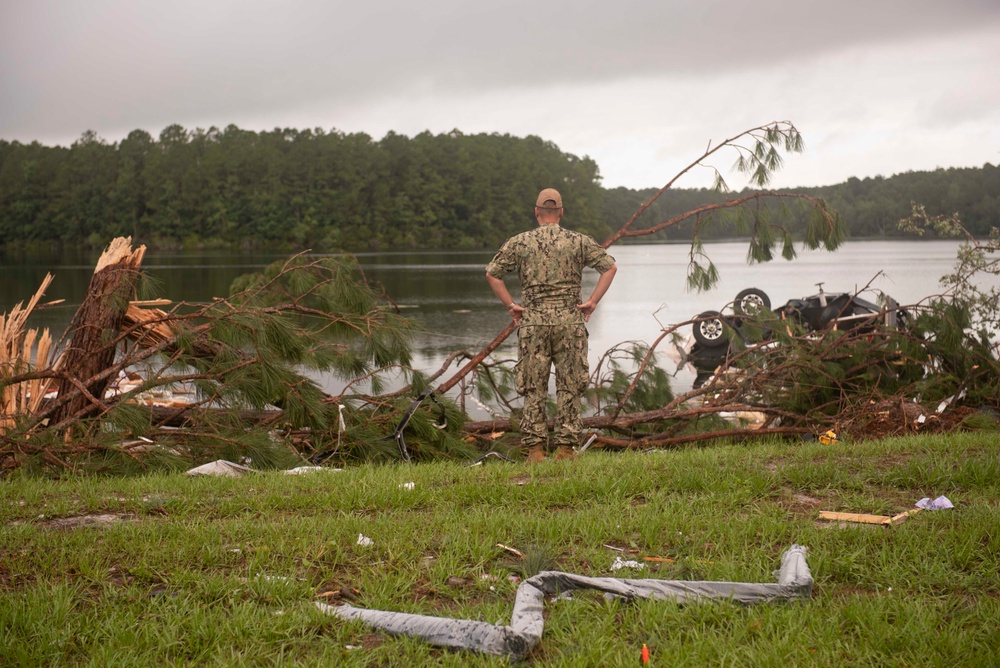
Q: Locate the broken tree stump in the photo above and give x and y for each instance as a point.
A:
(94, 329)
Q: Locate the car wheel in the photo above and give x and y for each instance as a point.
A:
(710, 330)
(751, 301)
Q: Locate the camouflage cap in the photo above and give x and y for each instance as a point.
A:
(546, 195)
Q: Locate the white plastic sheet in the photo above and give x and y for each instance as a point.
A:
(940, 503)
(221, 467)
(525, 629)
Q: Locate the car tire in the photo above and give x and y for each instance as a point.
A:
(751, 301)
(710, 329)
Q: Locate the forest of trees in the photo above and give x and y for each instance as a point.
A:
(869, 208)
(290, 189)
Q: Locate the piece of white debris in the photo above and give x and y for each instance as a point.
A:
(940, 503)
(221, 467)
(625, 563)
(300, 470)
(364, 540)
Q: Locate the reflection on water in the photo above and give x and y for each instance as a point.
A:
(447, 296)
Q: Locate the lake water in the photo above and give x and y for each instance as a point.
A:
(446, 294)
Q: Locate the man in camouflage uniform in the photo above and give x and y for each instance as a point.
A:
(549, 261)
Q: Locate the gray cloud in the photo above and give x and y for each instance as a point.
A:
(114, 65)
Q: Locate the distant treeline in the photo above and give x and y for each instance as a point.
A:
(870, 207)
(287, 189)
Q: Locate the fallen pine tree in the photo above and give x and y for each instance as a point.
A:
(247, 364)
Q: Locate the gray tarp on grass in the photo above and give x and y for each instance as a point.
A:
(525, 630)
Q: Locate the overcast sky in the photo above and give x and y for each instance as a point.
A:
(640, 86)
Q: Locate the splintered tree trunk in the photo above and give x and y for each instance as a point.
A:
(94, 329)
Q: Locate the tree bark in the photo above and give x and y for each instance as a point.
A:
(94, 328)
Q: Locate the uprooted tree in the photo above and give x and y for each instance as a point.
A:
(236, 378)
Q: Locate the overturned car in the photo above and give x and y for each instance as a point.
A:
(714, 331)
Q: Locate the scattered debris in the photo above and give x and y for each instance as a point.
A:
(492, 453)
(301, 470)
(620, 563)
(100, 520)
(278, 578)
(826, 438)
(511, 550)
(940, 503)
(347, 593)
(861, 518)
(745, 419)
(943, 406)
(221, 467)
(586, 444)
(527, 620)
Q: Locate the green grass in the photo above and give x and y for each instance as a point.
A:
(224, 572)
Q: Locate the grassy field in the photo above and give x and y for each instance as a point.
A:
(171, 570)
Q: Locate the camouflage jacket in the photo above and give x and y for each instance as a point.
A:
(549, 261)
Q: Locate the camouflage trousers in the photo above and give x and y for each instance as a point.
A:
(540, 347)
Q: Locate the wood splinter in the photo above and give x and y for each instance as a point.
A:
(861, 518)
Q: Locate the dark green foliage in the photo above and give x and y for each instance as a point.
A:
(702, 273)
(868, 207)
(350, 327)
(369, 428)
(248, 355)
(982, 421)
(304, 313)
(618, 204)
(329, 190)
(939, 353)
(288, 189)
(843, 374)
(957, 356)
(652, 389)
(629, 375)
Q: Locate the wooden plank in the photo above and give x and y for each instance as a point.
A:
(900, 518)
(854, 517)
(867, 519)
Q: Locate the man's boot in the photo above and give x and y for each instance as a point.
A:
(536, 453)
(565, 452)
